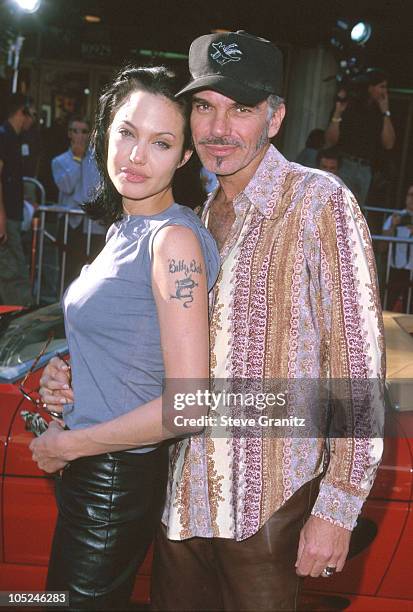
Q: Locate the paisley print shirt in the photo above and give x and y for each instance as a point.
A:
(296, 298)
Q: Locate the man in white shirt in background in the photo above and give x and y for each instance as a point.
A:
(76, 176)
(400, 225)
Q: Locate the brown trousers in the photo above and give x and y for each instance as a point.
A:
(255, 574)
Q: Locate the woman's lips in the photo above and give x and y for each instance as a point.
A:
(132, 176)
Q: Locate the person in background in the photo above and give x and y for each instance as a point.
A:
(77, 178)
(360, 125)
(329, 160)
(314, 142)
(400, 225)
(14, 278)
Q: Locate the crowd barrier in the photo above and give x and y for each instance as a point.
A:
(41, 234)
(62, 216)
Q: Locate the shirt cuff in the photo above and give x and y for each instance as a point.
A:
(337, 506)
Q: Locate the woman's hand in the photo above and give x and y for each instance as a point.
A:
(55, 389)
(47, 449)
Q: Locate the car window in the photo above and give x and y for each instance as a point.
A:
(24, 337)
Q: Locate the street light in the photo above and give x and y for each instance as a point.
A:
(360, 33)
(28, 6)
(15, 46)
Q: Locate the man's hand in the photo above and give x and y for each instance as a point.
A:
(383, 102)
(395, 219)
(322, 545)
(47, 449)
(341, 103)
(55, 389)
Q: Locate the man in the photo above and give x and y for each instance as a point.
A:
(329, 160)
(361, 125)
(400, 225)
(76, 176)
(14, 278)
(308, 156)
(296, 298)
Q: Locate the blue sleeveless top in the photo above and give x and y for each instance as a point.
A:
(112, 323)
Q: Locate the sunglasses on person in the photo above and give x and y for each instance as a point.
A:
(27, 394)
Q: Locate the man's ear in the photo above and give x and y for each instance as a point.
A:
(187, 156)
(276, 121)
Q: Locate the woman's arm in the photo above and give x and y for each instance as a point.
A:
(180, 290)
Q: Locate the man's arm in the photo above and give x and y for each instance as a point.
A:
(67, 173)
(3, 217)
(355, 341)
(388, 135)
(332, 133)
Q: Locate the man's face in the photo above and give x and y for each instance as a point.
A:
(329, 165)
(379, 91)
(409, 199)
(79, 133)
(29, 117)
(227, 135)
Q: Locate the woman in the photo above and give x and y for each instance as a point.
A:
(135, 317)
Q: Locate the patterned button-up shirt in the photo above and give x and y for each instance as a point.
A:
(296, 298)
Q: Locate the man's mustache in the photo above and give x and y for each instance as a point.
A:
(223, 142)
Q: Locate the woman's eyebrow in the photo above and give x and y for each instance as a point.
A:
(168, 133)
(132, 125)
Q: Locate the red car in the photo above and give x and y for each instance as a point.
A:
(378, 576)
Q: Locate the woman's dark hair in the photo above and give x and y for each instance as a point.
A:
(157, 80)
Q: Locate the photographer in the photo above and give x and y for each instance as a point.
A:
(361, 125)
(401, 226)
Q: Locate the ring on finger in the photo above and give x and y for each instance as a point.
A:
(328, 571)
(53, 413)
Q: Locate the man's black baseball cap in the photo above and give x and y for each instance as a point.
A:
(236, 64)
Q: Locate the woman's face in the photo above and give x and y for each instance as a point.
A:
(145, 148)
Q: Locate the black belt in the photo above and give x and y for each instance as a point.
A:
(359, 160)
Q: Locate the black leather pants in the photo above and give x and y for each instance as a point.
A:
(109, 507)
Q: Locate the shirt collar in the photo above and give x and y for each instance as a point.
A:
(264, 189)
(267, 184)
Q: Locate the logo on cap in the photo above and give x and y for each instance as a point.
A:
(225, 53)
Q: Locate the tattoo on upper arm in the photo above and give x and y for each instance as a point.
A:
(184, 284)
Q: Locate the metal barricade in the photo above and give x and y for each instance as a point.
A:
(39, 199)
(67, 213)
(392, 240)
(33, 181)
(63, 215)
